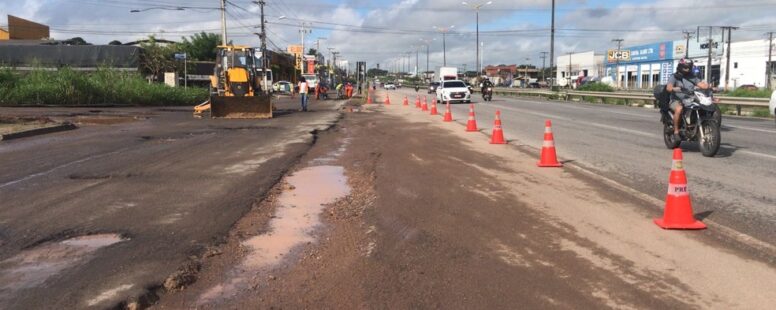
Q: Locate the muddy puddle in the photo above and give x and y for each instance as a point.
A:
(296, 219)
(32, 267)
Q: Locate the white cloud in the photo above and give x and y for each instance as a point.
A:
(385, 29)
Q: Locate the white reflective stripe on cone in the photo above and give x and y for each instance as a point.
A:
(678, 190)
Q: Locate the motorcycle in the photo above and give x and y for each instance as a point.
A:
(699, 122)
(487, 94)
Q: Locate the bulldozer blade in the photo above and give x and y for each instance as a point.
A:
(241, 107)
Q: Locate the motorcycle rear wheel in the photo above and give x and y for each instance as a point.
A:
(709, 144)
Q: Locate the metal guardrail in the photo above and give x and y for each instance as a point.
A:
(568, 94)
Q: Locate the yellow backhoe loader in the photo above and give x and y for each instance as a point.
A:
(235, 90)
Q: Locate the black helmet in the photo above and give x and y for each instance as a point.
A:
(685, 66)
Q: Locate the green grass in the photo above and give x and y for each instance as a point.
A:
(105, 86)
(596, 87)
(761, 112)
(760, 93)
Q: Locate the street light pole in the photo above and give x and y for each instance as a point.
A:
(444, 31)
(476, 8)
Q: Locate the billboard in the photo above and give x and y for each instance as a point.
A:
(613, 56)
(698, 48)
(310, 63)
(647, 53)
(296, 50)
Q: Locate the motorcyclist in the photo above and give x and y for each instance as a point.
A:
(681, 85)
(484, 85)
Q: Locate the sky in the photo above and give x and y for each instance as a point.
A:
(385, 32)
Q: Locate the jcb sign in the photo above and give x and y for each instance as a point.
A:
(621, 55)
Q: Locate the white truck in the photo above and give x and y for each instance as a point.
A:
(446, 74)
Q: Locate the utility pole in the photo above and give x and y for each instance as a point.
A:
(544, 58)
(223, 22)
(687, 36)
(334, 59)
(770, 63)
(727, 65)
(710, 46)
(616, 61)
(569, 74)
(265, 87)
(552, 43)
(302, 32)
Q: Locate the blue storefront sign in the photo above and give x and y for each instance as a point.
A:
(650, 52)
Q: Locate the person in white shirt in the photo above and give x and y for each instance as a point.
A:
(304, 89)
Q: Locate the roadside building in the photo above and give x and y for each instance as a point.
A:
(501, 74)
(642, 66)
(749, 64)
(22, 29)
(573, 66)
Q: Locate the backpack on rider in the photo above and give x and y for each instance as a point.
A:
(662, 97)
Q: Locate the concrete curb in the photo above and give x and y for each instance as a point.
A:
(37, 131)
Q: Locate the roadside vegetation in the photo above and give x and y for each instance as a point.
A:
(105, 86)
(740, 92)
(596, 87)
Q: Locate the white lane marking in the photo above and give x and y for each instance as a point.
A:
(551, 116)
(59, 167)
(757, 154)
(750, 128)
(635, 132)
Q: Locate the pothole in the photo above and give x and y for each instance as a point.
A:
(296, 218)
(32, 267)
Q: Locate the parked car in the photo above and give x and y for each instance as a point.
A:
(432, 87)
(453, 91)
(390, 86)
(748, 87)
(283, 87)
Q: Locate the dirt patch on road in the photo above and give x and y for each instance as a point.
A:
(441, 220)
(18, 124)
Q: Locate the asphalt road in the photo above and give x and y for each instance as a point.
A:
(735, 188)
(168, 186)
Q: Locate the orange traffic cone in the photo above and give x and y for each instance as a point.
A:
(548, 158)
(434, 108)
(424, 107)
(417, 102)
(406, 101)
(471, 125)
(387, 99)
(498, 134)
(678, 210)
(448, 114)
(368, 97)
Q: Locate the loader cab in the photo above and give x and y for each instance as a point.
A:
(235, 71)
